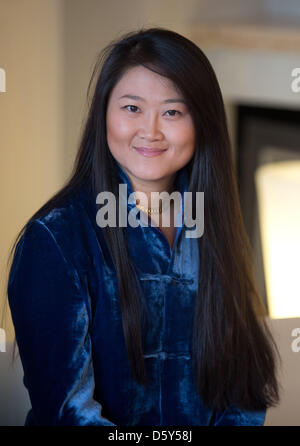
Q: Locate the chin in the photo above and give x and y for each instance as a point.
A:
(150, 176)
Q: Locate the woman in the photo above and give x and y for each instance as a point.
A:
(144, 325)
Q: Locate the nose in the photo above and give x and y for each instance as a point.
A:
(150, 128)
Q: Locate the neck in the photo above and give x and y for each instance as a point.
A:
(147, 187)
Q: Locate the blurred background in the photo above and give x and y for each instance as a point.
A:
(48, 49)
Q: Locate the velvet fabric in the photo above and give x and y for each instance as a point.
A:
(63, 296)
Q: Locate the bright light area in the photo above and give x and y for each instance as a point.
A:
(278, 191)
(2, 81)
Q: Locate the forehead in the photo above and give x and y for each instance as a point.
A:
(142, 80)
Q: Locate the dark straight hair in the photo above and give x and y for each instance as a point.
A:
(234, 353)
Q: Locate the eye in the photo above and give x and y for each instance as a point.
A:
(134, 106)
(176, 111)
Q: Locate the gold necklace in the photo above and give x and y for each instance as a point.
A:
(150, 210)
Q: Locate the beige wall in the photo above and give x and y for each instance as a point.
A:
(31, 114)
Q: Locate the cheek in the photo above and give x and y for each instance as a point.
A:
(118, 127)
(184, 137)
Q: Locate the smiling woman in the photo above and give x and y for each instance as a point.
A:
(125, 325)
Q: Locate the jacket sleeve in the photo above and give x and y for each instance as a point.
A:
(234, 416)
(51, 320)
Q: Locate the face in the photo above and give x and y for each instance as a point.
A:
(145, 110)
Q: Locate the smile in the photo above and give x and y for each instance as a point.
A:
(149, 152)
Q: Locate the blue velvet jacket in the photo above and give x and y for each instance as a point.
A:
(63, 296)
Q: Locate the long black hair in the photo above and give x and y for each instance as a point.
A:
(235, 355)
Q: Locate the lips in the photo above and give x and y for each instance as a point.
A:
(147, 151)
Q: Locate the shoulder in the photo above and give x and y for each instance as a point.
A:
(63, 230)
(68, 219)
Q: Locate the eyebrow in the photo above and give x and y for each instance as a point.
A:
(166, 101)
